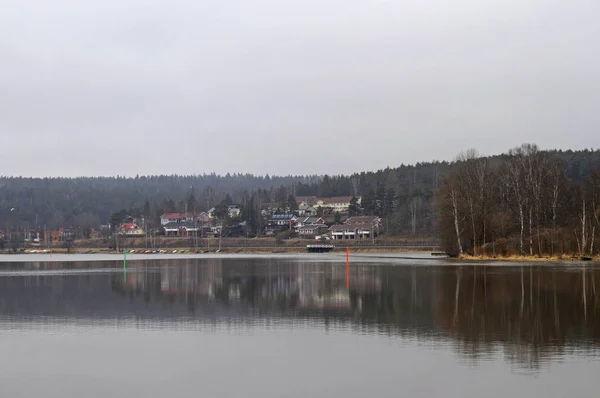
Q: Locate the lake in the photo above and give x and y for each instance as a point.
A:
(294, 326)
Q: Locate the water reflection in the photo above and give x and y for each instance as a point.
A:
(530, 314)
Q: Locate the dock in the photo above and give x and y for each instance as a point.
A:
(319, 248)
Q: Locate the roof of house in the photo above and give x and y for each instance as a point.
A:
(171, 215)
(351, 227)
(282, 217)
(306, 199)
(312, 220)
(312, 227)
(342, 227)
(362, 220)
(129, 226)
(336, 199)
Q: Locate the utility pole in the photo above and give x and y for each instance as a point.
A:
(220, 235)
(373, 231)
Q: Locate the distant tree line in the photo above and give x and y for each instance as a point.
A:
(402, 195)
(412, 199)
(528, 201)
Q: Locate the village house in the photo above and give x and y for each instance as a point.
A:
(61, 235)
(306, 221)
(310, 231)
(32, 236)
(181, 228)
(305, 209)
(373, 220)
(306, 200)
(350, 231)
(234, 211)
(360, 227)
(53, 236)
(130, 229)
(189, 217)
(339, 204)
(282, 221)
(170, 218)
(268, 209)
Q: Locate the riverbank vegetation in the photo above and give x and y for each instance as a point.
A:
(526, 203)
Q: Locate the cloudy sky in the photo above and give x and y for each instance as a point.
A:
(104, 87)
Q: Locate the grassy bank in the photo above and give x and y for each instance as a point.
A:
(515, 258)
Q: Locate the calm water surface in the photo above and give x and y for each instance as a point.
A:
(290, 327)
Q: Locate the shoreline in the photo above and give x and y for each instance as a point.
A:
(526, 258)
(224, 250)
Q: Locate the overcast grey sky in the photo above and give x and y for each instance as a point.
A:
(104, 87)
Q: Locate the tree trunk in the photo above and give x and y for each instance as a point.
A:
(553, 224)
(522, 221)
(592, 242)
(583, 237)
(413, 216)
(473, 227)
(530, 231)
(455, 214)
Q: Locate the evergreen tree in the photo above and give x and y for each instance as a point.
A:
(354, 208)
(337, 218)
(191, 201)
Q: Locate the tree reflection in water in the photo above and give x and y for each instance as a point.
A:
(530, 313)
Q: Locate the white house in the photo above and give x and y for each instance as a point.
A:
(130, 229)
(282, 220)
(361, 227)
(309, 231)
(305, 209)
(305, 221)
(170, 217)
(234, 211)
(336, 204)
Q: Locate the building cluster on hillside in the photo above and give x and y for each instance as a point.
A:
(311, 217)
(327, 218)
(59, 236)
(314, 219)
(358, 227)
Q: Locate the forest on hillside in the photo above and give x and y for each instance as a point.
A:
(527, 202)
(404, 196)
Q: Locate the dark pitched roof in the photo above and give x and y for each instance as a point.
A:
(311, 227)
(362, 220)
(312, 220)
(282, 217)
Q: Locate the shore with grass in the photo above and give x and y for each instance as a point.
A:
(527, 258)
